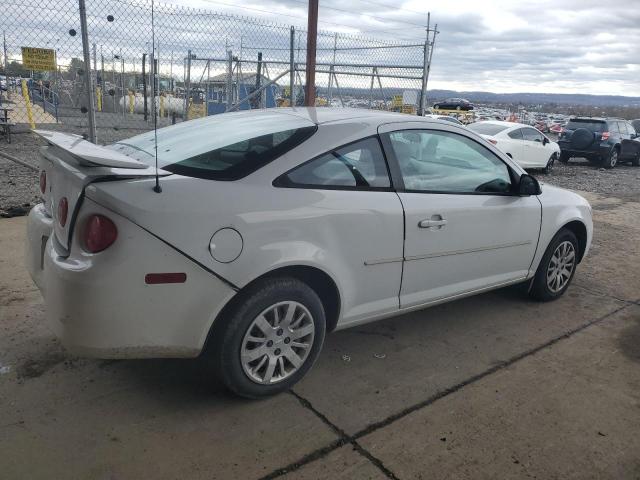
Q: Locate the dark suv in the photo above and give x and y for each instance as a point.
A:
(604, 140)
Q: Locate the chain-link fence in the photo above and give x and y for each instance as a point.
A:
(205, 63)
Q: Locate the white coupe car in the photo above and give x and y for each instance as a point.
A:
(272, 227)
(529, 147)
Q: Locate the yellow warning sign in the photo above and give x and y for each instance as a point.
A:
(38, 58)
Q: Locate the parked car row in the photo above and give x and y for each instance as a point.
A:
(603, 141)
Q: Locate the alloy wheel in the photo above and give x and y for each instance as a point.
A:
(277, 342)
(561, 266)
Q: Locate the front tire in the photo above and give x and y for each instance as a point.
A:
(611, 160)
(271, 339)
(557, 267)
(549, 167)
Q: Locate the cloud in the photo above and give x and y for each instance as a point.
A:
(574, 46)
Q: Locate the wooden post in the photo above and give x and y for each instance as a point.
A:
(312, 34)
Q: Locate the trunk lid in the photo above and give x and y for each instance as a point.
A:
(71, 163)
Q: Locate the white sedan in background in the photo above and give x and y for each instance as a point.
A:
(529, 147)
(272, 227)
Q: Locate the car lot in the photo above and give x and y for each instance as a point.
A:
(490, 386)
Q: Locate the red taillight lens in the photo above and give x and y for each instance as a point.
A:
(99, 233)
(63, 210)
(605, 136)
(43, 181)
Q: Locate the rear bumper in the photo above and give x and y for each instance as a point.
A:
(39, 229)
(100, 306)
(599, 151)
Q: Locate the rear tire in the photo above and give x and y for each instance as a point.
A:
(261, 325)
(636, 161)
(557, 267)
(611, 160)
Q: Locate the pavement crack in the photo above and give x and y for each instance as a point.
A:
(495, 368)
(343, 439)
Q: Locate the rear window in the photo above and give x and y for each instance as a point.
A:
(486, 128)
(220, 147)
(591, 125)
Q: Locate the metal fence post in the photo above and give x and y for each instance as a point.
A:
(229, 79)
(292, 68)
(87, 71)
(187, 87)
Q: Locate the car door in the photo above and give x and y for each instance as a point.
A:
(464, 229)
(345, 203)
(535, 153)
(630, 146)
(514, 145)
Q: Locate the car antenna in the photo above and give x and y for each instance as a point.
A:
(156, 188)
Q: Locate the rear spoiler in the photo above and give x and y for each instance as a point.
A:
(87, 153)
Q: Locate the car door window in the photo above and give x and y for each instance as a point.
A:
(631, 130)
(532, 135)
(622, 127)
(357, 165)
(445, 162)
(613, 127)
(516, 134)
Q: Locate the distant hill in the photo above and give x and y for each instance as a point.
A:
(539, 98)
(506, 98)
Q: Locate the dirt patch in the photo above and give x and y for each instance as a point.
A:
(629, 341)
(35, 367)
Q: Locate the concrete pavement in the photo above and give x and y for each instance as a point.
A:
(493, 386)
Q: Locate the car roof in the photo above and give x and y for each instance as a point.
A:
(322, 115)
(327, 115)
(506, 124)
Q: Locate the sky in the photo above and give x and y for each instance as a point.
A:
(502, 46)
(569, 46)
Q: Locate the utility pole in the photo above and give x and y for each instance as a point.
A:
(425, 66)
(144, 86)
(292, 68)
(312, 37)
(87, 72)
(6, 60)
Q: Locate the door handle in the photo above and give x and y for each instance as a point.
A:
(435, 221)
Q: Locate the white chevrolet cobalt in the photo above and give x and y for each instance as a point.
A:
(273, 227)
(528, 146)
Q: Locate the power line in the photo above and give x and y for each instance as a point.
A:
(392, 7)
(415, 25)
(382, 19)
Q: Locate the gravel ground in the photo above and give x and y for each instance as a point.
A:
(622, 182)
(19, 185)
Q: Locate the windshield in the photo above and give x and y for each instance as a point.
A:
(591, 125)
(487, 128)
(219, 147)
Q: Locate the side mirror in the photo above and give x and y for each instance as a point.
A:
(545, 140)
(528, 185)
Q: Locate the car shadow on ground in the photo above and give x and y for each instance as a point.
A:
(196, 377)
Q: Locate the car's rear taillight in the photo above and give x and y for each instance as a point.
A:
(43, 181)
(63, 211)
(605, 136)
(99, 233)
